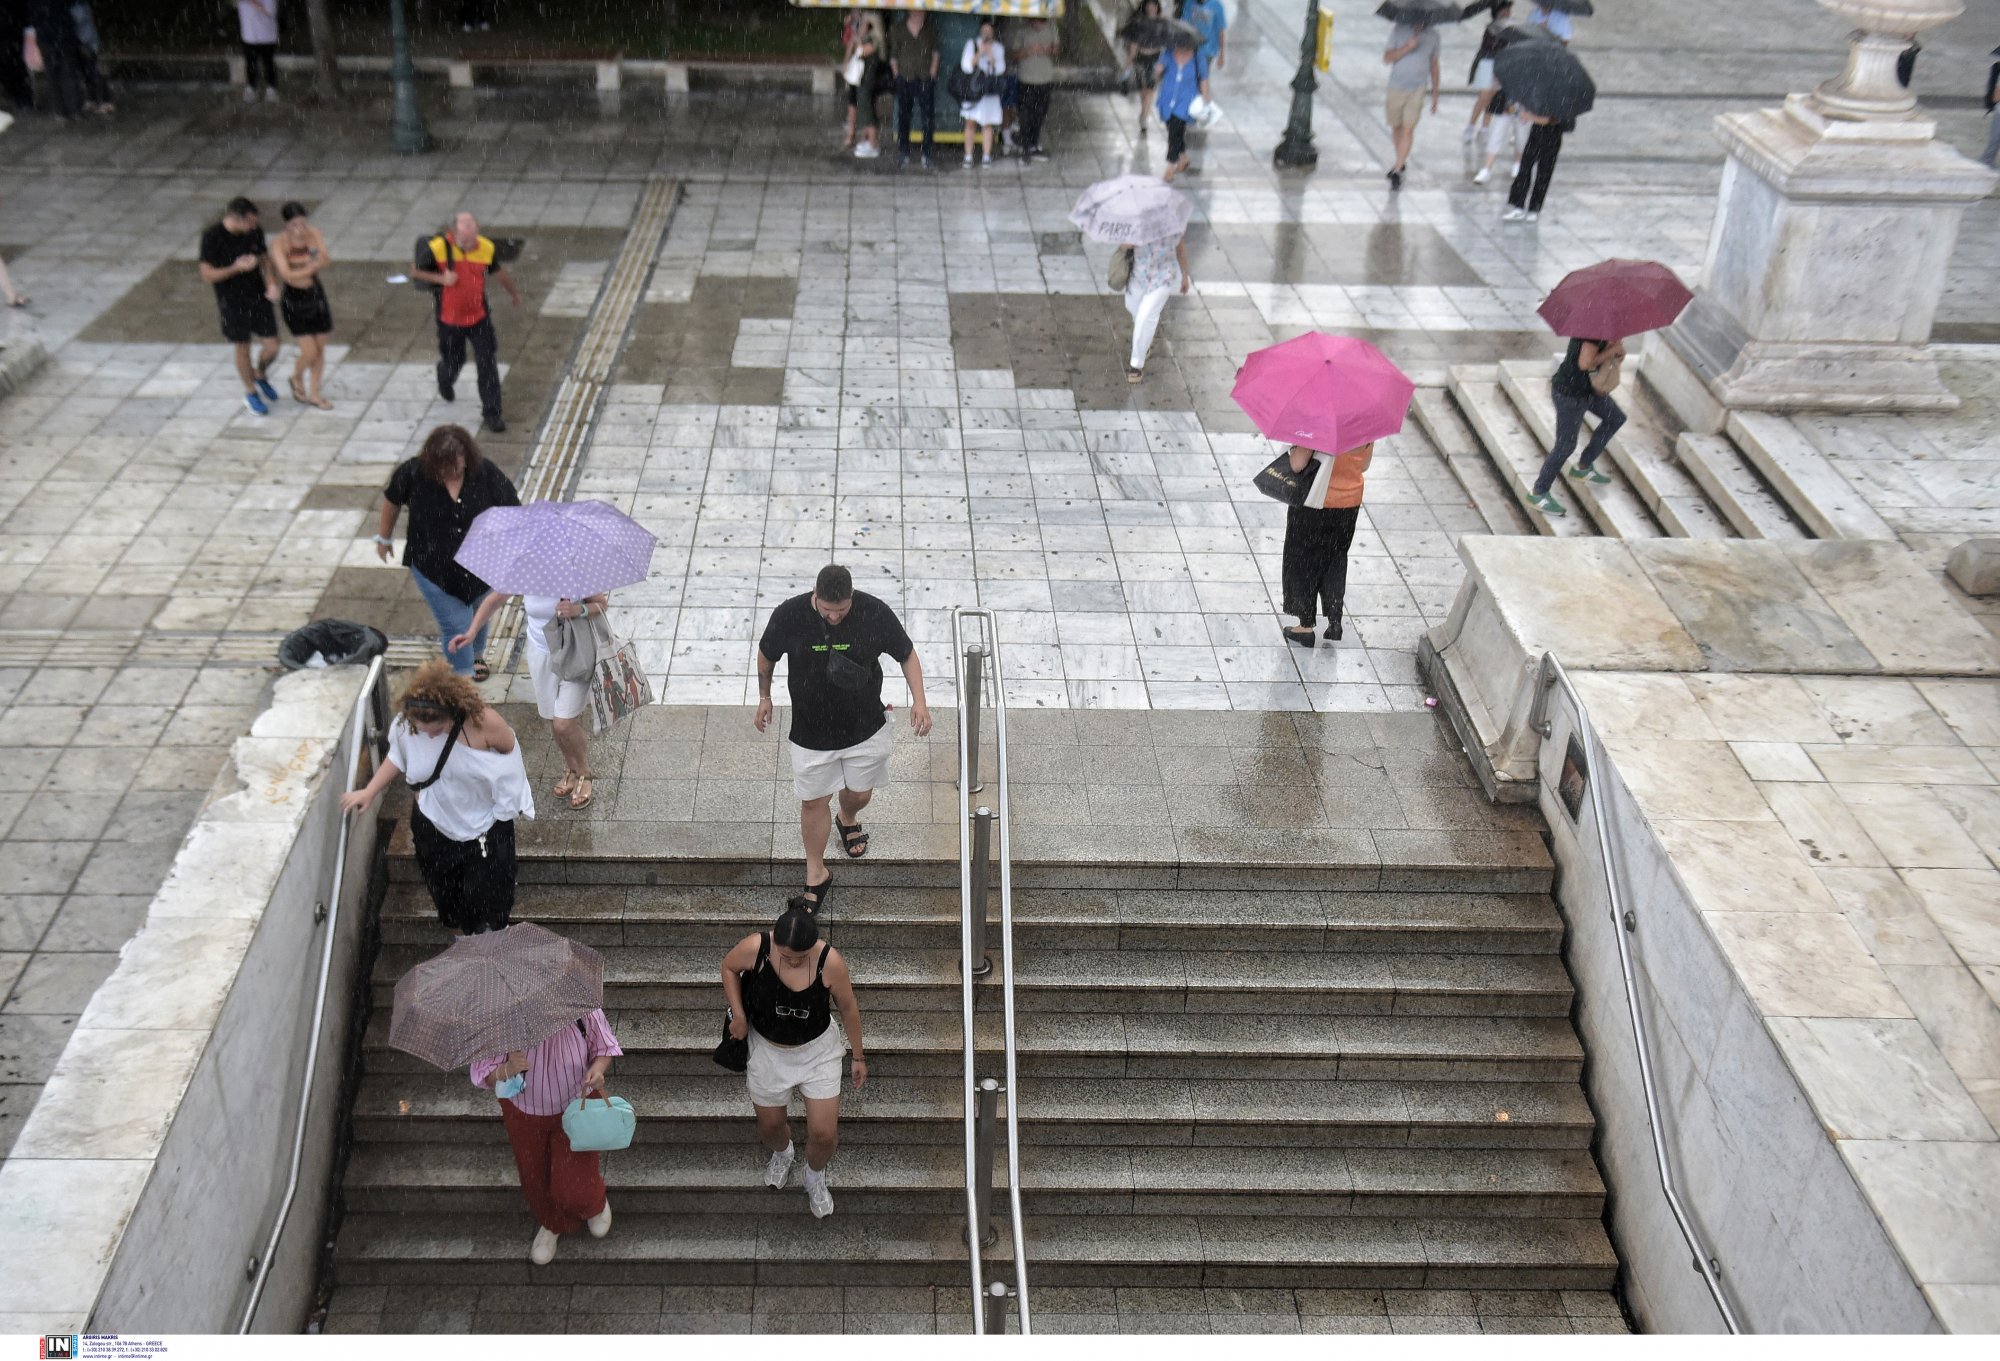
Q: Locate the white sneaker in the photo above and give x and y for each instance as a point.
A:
(270, 94)
(1531, 217)
(1512, 215)
(967, 162)
(1485, 174)
(818, 1198)
(543, 1251)
(1471, 131)
(780, 1167)
(249, 94)
(865, 151)
(600, 1223)
(1517, 168)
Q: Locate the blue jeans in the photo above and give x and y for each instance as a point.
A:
(453, 617)
(1569, 424)
(1992, 152)
(916, 99)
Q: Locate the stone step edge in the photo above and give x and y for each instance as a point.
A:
(1805, 479)
(1459, 447)
(1475, 388)
(1751, 507)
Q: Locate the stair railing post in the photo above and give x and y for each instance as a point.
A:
(996, 1307)
(982, 843)
(989, 1094)
(975, 673)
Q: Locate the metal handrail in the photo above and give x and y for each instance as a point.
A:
(983, 1297)
(371, 704)
(1624, 920)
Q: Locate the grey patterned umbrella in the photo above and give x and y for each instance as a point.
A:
(494, 993)
(1568, 6)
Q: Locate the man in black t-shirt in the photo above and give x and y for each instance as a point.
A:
(234, 260)
(835, 637)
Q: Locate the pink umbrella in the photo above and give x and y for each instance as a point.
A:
(1331, 393)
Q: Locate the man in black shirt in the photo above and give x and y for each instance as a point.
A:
(233, 258)
(835, 637)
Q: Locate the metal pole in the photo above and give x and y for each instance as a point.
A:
(982, 841)
(989, 1092)
(1297, 150)
(408, 136)
(975, 666)
(996, 1307)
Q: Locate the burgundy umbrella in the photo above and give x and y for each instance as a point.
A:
(1614, 299)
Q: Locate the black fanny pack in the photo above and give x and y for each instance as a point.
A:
(842, 671)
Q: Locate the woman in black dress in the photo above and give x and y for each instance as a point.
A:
(299, 258)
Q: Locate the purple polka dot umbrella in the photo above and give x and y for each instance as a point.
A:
(567, 549)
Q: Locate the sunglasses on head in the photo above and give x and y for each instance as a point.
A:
(428, 711)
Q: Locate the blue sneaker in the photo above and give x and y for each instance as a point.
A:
(256, 404)
(264, 386)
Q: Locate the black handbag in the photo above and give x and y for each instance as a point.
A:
(732, 1053)
(1280, 483)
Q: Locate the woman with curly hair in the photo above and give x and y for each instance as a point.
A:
(445, 486)
(465, 765)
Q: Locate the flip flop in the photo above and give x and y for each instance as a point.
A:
(298, 391)
(566, 786)
(479, 671)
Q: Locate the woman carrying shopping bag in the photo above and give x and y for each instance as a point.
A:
(558, 698)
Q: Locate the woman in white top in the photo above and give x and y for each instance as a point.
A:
(560, 701)
(983, 53)
(465, 764)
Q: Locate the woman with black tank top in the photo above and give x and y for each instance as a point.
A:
(782, 986)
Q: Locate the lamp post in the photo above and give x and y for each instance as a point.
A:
(1296, 150)
(408, 136)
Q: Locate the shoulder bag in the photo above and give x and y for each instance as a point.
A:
(1604, 378)
(619, 686)
(734, 1054)
(576, 644)
(1120, 272)
(1280, 483)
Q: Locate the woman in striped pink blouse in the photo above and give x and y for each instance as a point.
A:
(565, 1189)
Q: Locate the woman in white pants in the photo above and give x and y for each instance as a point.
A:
(1155, 267)
(560, 701)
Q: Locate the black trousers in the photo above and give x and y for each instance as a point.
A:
(916, 97)
(1315, 567)
(452, 341)
(15, 82)
(55, 35)
(96, 88)
(1538, 164)
(1034, 112)
(471, 883)
(264, 55)
(1176, 139)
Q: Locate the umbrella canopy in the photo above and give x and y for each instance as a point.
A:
(1331, 393)
(1419, 13)
(1567, 6)
(1000, 9)
(494, 993)
(1615, 299)
(570, 549)
(1132, 208)
(1545, 78)
(1150, 34)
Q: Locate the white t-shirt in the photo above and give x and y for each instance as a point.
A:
(258, 20)
(1555, 21)
(540, 611)
(478, 788)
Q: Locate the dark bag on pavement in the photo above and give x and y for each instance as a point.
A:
(1280, 483)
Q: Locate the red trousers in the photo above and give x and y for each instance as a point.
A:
(563, 1187)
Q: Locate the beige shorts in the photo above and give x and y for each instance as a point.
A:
(1406, 107)
(811, 1069)
(554, 696)
(861, 767)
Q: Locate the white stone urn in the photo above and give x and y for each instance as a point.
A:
(1868, 88)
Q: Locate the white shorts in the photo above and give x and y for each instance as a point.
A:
(811, 1069)
(1482, 79)
(554, 696)
(861, 767)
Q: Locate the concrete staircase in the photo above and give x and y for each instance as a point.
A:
(1763, 479)
(1266, 1086)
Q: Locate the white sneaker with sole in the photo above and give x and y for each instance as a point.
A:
(599, 1224)
(780, 1167)
(543, 1251)
(249, 94)
(818, 1198)
(1512, 215)
(1531, 217)
(1485, 174)
(270, 94)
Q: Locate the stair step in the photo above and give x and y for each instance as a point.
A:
(1516, 454)
(1645, 455)
(917, 1179)
(1060, 981)
(1804, 478)
(1616, 507)
(712, 1107)
(715, 917)
(1077, 1250)
(1459, 448)
(1081, 1044)
(1746, 502)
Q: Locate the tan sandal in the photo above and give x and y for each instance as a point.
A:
(583, 795)
(566, 785)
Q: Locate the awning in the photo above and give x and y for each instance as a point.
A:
(1000, 9)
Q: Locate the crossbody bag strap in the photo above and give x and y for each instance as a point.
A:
(421, 785)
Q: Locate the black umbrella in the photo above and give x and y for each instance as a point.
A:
(1568, 6)
(1151, 34)
(1545, 78)
(1420, 13)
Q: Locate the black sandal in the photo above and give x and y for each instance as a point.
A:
(852, 839)
(814, 898)
(480, 673)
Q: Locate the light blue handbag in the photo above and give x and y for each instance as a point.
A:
(599, 1124)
